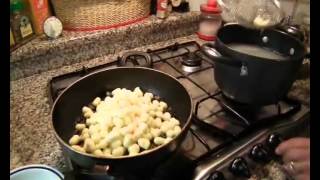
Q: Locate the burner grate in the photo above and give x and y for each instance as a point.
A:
(234, 117)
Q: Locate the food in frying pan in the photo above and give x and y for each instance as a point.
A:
(124, 123)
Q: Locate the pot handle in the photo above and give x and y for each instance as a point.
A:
(210, 51)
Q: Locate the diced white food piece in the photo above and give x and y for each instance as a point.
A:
(128, 140)
(80, 126)
(106, 152)
(170, 133)
(157, 123)
(119, 151)
(134, 149)
(147, 135)
(165, 126)
(174, 121)
(115, 144)
(75, 139)
(167, 140)
(144, 143)
(163, 105)
(159, 114)
(177, 130)
(113, 135)
(159, 140)
(116, 91)
(89, 145)
(155, 132)
(86, 109)
(138, 92)
(155, 102)
(102, 144)
(96, 101)
(98, 153)
(166, 116)
(118, 122)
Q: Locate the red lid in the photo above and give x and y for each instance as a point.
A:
(206, 37)
(211, 7)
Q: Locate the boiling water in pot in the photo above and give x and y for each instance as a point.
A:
(256, 50)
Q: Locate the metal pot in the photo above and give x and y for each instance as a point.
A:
(66, 112)
(252, 79)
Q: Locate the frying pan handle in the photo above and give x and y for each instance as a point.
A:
(210, 51)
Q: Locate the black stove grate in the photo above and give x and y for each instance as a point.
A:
(248, 121)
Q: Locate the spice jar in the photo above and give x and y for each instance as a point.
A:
(20, 23)
(162, 8)
(210, 21)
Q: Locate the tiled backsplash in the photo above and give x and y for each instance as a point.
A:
(302, 9)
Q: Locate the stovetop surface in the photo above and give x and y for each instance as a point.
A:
(216, 121)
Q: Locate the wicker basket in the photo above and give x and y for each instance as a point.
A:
(99, 14)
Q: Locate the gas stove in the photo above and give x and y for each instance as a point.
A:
(227, 140)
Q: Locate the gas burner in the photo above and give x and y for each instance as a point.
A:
(222, 133)
(191, 63)
(252, 114)
(166, 170)
(136, 58)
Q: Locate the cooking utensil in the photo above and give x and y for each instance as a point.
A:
(67, 110)
(253, 78)
(258, 14)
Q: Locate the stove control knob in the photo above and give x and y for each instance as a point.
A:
(259, 153)
(273, 141)
(216, 175)
(239, 167)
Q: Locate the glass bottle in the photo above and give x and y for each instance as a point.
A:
(210, 21)
(20, 23)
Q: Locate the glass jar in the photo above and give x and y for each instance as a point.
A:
(210, 21)
(19, 21)
(16, 8)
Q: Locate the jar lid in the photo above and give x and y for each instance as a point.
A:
(16, 5)
(211, 7)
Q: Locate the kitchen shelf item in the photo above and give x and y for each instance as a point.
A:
(162, 9)
(11, 38)
(40, 11)
(20, 24)
(210, 21)
(84, 15)
(19, 21)
(52, 27)
(258, 14)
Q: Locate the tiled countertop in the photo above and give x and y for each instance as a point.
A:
(41, 54)
(31, 136)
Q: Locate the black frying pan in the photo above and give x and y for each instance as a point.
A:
(67, 110)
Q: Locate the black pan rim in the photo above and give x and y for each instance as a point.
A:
(184, 128)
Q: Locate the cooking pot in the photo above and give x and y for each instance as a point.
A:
(253, 78)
